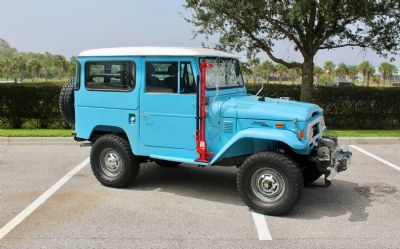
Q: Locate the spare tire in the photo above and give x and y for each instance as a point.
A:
(66, 101)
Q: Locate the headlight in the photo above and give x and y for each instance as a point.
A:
(310, 132)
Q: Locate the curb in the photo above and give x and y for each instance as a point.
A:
(71, 141)
(368, 140)
(37, 141)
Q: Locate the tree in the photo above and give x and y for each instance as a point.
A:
(342, 71)
(60, 62)
(387, 70)
(266, 69)
(34, 67)
(309, 25)
(370, 73)
(329, 69)
(254, 64)
(294, 73)
(281, 70)
(353, 71)
(72, 67)
(317, 73)
(367, 70)
(19, 67)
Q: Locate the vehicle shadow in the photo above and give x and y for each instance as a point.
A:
(215, 184)
(218, 184)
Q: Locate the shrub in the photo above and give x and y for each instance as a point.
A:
(348, 107)
(36, 105)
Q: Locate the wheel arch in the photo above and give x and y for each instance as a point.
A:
(101, 130)
(253, 140)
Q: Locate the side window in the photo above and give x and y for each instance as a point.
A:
(188, 83)
(161, 77)
(110, 75)
(78, 76)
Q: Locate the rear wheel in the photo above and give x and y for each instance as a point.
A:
(112, 161)
(270, 183)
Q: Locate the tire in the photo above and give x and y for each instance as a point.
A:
(167, 164)
(66, 101)
(281, 190)
(112, 161)
(310, 175)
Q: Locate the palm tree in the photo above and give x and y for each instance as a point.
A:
(387, 70)
(281, 70)
(342, 71)
(365, 69)
(294, 73)
(60, 62)
(317, 73)
(352, 72)
(7, 67)
(254, 64)
(14, 69)
(72, 66)
(266, 69)
(33, 66)
(20, 63)
(329, 69)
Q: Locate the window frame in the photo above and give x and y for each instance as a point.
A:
(193, 74)
(162, 62)
(78, 76)
(132, 87)
(226, 87)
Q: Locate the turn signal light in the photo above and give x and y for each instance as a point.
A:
(280, 125)
(300, 134)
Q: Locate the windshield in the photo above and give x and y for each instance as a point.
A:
(225, 73)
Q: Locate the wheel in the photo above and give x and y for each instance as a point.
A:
(112, 161)
(310, 174)
(66, 101)
(165, 163)
(270, 183)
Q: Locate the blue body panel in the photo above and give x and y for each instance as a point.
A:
(237, 124)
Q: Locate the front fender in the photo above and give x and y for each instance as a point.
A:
(263, 134)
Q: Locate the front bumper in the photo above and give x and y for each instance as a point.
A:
(331, 158)
(340, 159)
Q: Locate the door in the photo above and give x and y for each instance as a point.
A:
(168, 103)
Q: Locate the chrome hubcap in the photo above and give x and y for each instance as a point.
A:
(110, 162)
(267, 184)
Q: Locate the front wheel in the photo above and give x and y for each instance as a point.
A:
(112, 161)
(270, 183)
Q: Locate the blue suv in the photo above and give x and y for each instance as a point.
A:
(190, 106)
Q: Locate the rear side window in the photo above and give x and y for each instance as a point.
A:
(110, 75)
(78, 76)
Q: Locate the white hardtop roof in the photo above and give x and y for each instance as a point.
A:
(156, 51)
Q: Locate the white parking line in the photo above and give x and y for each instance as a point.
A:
(40, 200)
(376, 157)
(262, 227)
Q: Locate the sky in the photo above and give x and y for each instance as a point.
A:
(68, 27)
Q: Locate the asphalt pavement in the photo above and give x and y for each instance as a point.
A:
(189, 207)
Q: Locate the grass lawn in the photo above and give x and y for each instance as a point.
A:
(35, 133)
(68, 133)
(364, 133)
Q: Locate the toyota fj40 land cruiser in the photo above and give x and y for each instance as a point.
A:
(190, 106)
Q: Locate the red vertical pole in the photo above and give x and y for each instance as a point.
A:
(201, 144)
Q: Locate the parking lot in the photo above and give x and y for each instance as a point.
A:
(189, 207)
